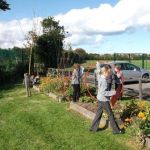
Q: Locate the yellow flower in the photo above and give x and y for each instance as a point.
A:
(141, 115)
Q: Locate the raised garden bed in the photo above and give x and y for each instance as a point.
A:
(78, 107)
(89, 106)
(56, 97)
(148, 143)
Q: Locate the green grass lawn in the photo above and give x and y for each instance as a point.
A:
(39, 123)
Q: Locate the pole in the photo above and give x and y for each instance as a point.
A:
(114, 57)
(30, 58)
(143, 61)
(129, 58)
(140, 88)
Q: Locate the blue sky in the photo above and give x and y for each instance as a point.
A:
(30, 8)
(100, 26)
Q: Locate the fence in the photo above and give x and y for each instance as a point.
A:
(142, 60)
(9, 58)
(58, 72)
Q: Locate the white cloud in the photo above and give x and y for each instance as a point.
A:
(87, 27)
(84, 25)
(13, 33)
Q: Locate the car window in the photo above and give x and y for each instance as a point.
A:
(131, 67)
(121, 66)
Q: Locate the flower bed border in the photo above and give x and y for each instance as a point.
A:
(57, 98)
(147, 143)
(86, 113)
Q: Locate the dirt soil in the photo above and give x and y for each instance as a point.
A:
(93, 106)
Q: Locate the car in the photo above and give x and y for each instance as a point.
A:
(131, 72)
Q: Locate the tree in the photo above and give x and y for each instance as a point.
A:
(4, 5)
(30, 46)
(81, 52)
(50, 43)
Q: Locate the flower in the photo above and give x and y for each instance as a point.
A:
(141, 104)
(141, 115)
(128, 120)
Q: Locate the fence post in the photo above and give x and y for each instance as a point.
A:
(129, 58)
(143, 61)
(114, 56)
(140, 88)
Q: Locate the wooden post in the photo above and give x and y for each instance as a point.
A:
(140, 88)
(143, 61)
(114, 57)
(129, 58)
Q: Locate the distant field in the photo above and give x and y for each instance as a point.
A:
(139, 63)
(92, 63)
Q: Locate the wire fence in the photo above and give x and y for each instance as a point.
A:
(9, 58)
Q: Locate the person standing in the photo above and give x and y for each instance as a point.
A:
(75, 81)
(119, 80)
(103, 97)
(27, 84)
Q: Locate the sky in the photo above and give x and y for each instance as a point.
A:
(98, 26)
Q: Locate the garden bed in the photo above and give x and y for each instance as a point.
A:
(89, 106)
(56, 97)
(78, 107)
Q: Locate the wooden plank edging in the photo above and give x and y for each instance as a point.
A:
(147, 143)
(88, 114)
(52, 95)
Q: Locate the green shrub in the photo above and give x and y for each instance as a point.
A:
(86, 99)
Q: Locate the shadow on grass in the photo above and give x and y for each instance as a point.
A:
(7, 87)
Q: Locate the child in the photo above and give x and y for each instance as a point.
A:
(119, 79)
(27, 84)
(76, 82)
(103, 97)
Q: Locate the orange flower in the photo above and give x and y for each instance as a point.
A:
(128, 120)
(142, 104)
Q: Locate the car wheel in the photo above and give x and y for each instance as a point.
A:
(145, 76)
